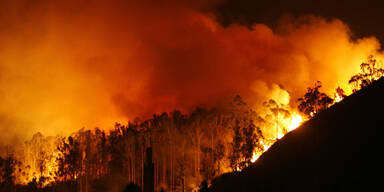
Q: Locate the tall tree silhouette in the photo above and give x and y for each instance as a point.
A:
(252, 135)
(314, 101)
(7, 171)
(238, 139)
(69, 160)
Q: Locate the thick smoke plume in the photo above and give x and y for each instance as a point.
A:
(69, 64)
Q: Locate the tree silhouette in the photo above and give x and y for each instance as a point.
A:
(369, 73)
(7, 170)
(238, 139)
(252, 135)
(69, 161)
(203, 186)
(314, 101)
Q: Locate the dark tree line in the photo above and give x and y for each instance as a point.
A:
(187, 149)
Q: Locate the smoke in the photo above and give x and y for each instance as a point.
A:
(69, 64)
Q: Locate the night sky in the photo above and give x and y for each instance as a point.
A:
(363, 17)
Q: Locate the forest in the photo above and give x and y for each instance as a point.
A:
(189, 149)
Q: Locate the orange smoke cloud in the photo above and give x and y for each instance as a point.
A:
(69, 64)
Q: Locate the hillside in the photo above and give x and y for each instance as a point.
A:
(337, 150)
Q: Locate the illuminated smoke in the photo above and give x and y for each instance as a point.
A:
(69, 64)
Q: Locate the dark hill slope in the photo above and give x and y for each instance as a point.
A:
(338, 150)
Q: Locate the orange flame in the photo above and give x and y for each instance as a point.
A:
(291, 124)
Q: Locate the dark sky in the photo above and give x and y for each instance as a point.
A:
(363, 17)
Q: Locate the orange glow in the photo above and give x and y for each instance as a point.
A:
(256, 155)
(293, 122)
(338, 98)
(105, 64)
(67, 65)
(38, 160)
(289, 124)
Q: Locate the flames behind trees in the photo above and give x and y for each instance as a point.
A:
(187, 148)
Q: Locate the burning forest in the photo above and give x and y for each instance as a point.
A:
(93, 94)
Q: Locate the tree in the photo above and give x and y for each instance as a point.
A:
(339, 95)
(369, 73)
(278, 112)
(251, 140)
(236, 147)
(7, 171)
(69, 160)
(102, 154)
(314, 101)
(7, 166)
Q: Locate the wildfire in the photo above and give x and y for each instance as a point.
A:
(256, 155)
(293, 122)
(338, 98)
(38, 160)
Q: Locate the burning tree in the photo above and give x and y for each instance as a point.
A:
(246, 136)
(314, 101)
(279, 113)
(69, 161)
(251, 141)
(369, 73)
